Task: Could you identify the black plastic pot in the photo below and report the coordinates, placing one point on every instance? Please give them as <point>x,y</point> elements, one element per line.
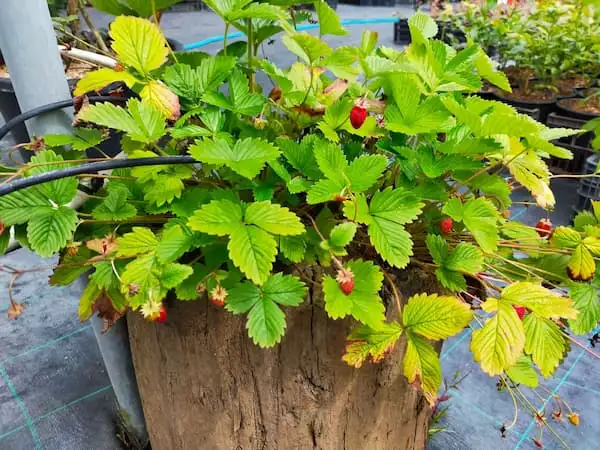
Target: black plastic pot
<point>588,188</point>
<point>578,144</point>
<point>567,111</point>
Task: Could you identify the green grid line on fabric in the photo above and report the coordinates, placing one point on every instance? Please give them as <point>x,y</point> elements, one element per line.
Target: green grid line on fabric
<point>19,401</point>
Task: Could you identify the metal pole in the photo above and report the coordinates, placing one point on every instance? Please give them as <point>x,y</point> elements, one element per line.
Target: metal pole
<point>30,50</point>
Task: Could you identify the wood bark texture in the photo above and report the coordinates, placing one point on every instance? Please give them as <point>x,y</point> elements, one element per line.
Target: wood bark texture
<point>205,385</point>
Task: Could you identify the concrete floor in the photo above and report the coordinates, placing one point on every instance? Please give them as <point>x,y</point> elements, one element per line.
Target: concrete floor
<point>55,393</point>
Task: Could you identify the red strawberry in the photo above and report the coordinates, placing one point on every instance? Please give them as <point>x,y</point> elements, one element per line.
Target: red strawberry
<point>446,225</point>
<point>162,315</point>
<point>345,279</point>
<point>520,311</point>
<point>543,227</point>
<point>218,296</point>
<point>357,116</point>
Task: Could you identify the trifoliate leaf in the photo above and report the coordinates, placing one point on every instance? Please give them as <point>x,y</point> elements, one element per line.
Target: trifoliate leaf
<point>247,157</point>
<point>174,242</point>
<point>324,191</point>
<point>140,241</point>
<point>307,47</point>
<point>436,317</point>
<point>364,303</point>
<point>273,218</point>
<point>219,217</point>
<point>498,345</point>
<point>253,251</point>
<point>585,300</point>
<point>542,301</point>
<point>422,365</point>
<point>523,373</point>
<point>301,156</point>
<point>115,207</point>
<point>266,320</point>
<point>20,206</point>
<point>332,162</point>
<point>241,100</point>
<point>60,191</point>
<point>138,43</point>
<point>49,232</point>
<point>397,205</point>
<point>545,343</point>
<point>365,343</point>
<point>465,258</point>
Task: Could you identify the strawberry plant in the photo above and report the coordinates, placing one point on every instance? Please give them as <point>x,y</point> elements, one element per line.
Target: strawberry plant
<point>361,161</point>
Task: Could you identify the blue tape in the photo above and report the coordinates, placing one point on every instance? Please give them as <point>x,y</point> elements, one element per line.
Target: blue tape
<point>301,27</point>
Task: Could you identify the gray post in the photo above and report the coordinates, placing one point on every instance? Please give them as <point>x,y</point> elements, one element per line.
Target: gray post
<point>30,50</point>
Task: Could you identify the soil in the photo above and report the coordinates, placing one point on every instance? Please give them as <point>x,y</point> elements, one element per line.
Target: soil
<point>75,71</point>
<point>204,384</point>
<point>577,81</point>
<point>578,104</point>
<point>533,95</point>
<point>516,74</point>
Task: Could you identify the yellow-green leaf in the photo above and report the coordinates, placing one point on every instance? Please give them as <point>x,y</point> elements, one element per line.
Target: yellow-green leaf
<point>582,266</point>
<point>163,99</point>
<point>422,365</point>
<point>99,79</point>
<point>540,300</point>
<point>545,343</point>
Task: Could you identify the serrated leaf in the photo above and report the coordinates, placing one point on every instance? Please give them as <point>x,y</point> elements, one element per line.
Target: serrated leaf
<point>324,191</point>
<point>341,63</point>
<point>585,300</point>
<point>498,345</point>
<point>365,343</point>
<point>465,258</point>
<point>70,267</point>
<point>253,251</point>
<point>219,217</point>
<point>582,266</point>
<point>90,294</point>
<point>174,242</point>
<point>436,317</point>
<point>357,210</point>
<point>329,21</point>
<point>364,303</point>
<point>140,241</point>
<point>438,248</point>
<point>162,98</point>
<point>173,274</point>
<point>188,289</point>
<point>138,43</point>
<point>115,207</point>
<point>307,47</point>
<point>391,241</point>
<point>293,247</point>
<point>247,157</point>
<point>422,365</point>
<point>273,218</point>
<point>542,301</point>
<point>342,234</point>
<point>454,281</point>
<point>424,24</point>
<point>364,172</point>
<point>565,237</point>
<point>60,191</point>
<point>523,373</point>
<point>545,343</point>
<point>397,205</point>
<point>480,217</point>
<point>140,273</point>
<point>332,162</point>
<point>104,276</point>
<point>49,232</point>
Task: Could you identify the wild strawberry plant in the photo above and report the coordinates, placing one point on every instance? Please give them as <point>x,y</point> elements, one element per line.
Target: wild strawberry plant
<point>360,160</point>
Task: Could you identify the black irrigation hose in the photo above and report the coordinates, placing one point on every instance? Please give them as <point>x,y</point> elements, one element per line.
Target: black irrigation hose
<point>94,167</point>
<point>52,107</point>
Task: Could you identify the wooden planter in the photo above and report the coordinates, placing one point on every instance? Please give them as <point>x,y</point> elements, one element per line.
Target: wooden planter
<point>205,385</point>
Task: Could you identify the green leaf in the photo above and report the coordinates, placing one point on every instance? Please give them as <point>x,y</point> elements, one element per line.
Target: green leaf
<point>565,237</point>
<point>140,241</point>
<point>324,191</point>
<point>253,251</point>
<point>90,294</point>
<point>115,207</point>
<point>391,241</point>
<point>188,289</point>
<point>141,121</point>
<point>341,63</point>
<point>266,320</point>
<point>424,24</point>
<point>293,247</point>
<point>585,300</point>
<point>437,248</point>
<point>141,274</point>
<point>332,162</point>
<point>545,343</point>
<point>174,242</point>
<point>357,210</point>
<point>542,301</point>
<point>219,217</point>
<point>70,267</point>
<point>60,191</point>
<point>436,317</point>
<point>396,205</point>
<point>364,172</point>
<point>480,217</point>
<point>97,80</point>
<point>247,157</point>
<point>329,21</point>
<point>20,206</point>
<point>498,345</point>
<point>240,100</point>
<point>301,156</point>
<point>523,373</point>
<point>273,218</point>
<point>365,343</point>
<point>49,232</point>
<point>138,43</point>
<point>486,69</point>
<point>82,139</point>
<point>465,258</point>
<point>368,41</point>
<point>364,303</point>
<point>173,274</point>
<point>342,234</point>
<point>104,276</point>
<point>422,364</point>
<point>307,47</point>
<point>113,7</point>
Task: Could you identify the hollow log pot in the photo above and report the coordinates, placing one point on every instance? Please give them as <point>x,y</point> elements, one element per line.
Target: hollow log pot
<point>205,385</point>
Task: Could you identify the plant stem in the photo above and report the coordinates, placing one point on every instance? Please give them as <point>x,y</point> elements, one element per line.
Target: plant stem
<point>225,38</point>
<point>139,219</point>
<point>251,52</point>
<point>92,27</point>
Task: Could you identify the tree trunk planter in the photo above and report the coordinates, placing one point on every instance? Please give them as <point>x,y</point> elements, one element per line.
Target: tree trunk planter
<point>204,384</point>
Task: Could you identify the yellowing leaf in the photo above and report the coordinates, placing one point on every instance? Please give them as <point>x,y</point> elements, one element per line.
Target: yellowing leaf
<point>99,79</point>
<point>138,43</point>
<point>498,345</point>
<point>422,365</point>
<point>582,266</point>
<point>436,317</point>
<point>540,300</point>
<point>371,343</point>
<point>163,99</point>
<point>545,343</point>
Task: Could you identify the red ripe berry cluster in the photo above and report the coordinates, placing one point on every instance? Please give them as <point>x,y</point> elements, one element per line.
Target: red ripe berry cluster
<point>345,279</point>
<point>358,116</point>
